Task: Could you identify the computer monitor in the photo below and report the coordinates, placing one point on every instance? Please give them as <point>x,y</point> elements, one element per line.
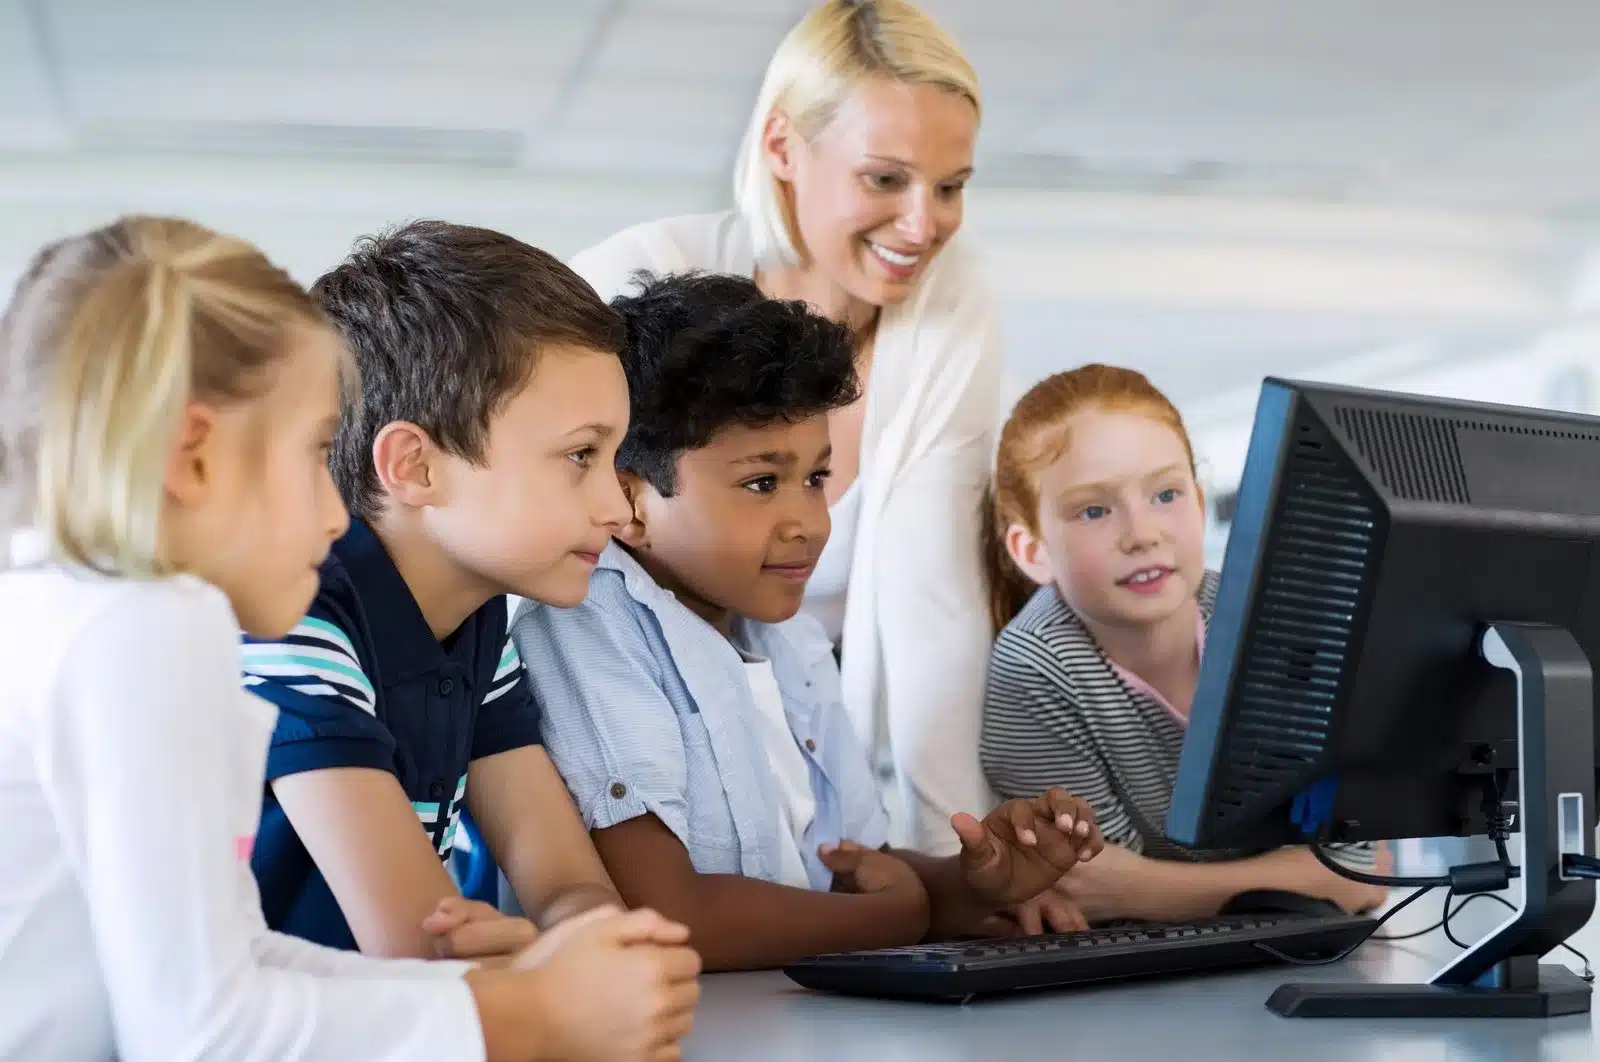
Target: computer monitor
<point>1409,607</point>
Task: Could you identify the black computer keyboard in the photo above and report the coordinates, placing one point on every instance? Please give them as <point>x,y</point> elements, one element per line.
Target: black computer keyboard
<point>961,970</point>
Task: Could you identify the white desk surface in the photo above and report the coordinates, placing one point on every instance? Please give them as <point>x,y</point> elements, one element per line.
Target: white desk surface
<point>764,1017</point>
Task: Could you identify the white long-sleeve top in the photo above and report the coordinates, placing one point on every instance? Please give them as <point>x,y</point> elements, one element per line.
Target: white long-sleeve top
<point>916,633</point>
<point>131,774</point>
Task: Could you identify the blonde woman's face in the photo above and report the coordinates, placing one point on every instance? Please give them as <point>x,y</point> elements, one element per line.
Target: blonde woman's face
<point>252,508</point>
<point>879,192</point>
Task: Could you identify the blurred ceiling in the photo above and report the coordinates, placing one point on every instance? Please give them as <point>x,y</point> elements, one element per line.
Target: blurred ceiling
<point>1483,111</point>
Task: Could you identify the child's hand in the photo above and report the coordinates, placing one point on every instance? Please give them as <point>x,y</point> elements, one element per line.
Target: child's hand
<point>614,987</point>
<point>859,869</point>
<point>1022,846</point>
<point>467,929</point>
<point>1052,911</point>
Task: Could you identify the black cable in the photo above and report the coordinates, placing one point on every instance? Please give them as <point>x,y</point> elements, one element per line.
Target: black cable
<point>1396,909</point>
<point>1381,880</point>
<point>1588,971</point>
<point>1450,935</point>
<point>1443,921</point>
<point>1579,866</point>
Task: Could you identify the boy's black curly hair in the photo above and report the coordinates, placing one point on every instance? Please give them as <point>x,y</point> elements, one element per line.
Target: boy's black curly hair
<point>705,352</point>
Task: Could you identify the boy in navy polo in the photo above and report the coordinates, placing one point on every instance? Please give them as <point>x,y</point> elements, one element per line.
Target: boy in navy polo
<point>477,461</point>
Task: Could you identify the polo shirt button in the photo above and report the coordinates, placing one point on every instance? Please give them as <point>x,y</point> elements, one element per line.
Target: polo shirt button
<point>811,745</point>
<point>436,790</point>
<point>618,790</point>
<point>445,686</point>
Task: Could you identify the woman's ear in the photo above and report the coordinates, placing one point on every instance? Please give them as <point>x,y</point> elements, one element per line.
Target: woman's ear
<point>777,145</point>
<point>635,534</point>
<point>1028,553</point>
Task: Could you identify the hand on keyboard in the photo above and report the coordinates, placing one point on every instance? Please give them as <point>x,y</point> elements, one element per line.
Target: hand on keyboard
<point>1049,912</point>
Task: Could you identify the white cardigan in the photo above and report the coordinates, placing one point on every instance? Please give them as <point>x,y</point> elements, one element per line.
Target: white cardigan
<point>916,629</point>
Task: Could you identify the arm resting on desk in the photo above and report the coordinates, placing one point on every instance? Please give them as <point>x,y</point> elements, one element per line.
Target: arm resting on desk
<point>739,923</point>
<point>1124,884</point>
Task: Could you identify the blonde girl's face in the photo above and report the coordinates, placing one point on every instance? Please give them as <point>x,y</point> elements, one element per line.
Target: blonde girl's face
<point>1121,521</point>
<point>251,506</point>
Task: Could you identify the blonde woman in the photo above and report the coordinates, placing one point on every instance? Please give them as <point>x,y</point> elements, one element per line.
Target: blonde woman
<point>169,398</point>
<point>849,188</point>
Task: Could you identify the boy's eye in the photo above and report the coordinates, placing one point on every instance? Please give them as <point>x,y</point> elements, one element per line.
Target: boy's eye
<point>1093,512</point>
<point>818,478</point>
<point>582,457</point>
<point>761,484</point>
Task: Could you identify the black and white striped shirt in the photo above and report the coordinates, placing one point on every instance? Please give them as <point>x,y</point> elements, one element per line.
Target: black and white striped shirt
<point>1058,713</point>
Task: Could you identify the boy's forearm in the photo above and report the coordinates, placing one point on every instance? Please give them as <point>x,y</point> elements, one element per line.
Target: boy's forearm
<point>574,900</point>
<point>955,911</point>
<point>739,923</point>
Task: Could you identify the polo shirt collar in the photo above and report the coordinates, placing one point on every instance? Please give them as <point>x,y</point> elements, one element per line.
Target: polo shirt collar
<point>403,641</point>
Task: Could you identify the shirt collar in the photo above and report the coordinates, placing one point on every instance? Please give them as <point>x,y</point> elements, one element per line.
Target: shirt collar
<point>762,640</point>
<point>402,640</point>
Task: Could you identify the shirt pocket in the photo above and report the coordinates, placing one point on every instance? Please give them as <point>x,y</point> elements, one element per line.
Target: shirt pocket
<point>713,841</point>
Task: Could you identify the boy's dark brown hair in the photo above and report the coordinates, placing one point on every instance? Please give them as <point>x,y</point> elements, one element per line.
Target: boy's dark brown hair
<point>446,323</point>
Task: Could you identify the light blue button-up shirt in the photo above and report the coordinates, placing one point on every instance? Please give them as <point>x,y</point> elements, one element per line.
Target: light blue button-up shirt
<point>647,710</point>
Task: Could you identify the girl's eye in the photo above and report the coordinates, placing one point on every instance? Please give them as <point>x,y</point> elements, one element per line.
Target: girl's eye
<point>582,457</point>
<point>761,485</point>
<point>1093,512</point>
<point>884,182</point>
<point>1168,496</point>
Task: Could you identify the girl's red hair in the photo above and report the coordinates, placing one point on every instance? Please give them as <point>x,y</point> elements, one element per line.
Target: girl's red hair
<point>1035,437</point>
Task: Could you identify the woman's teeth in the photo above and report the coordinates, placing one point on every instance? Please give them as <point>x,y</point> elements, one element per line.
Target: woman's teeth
<point>895,258</point>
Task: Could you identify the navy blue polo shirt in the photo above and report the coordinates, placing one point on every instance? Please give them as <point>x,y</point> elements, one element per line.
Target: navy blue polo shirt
<point>362,682</point>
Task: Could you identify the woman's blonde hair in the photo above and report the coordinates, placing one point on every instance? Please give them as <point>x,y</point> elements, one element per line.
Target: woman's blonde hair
<point>108,336</point>
<point>836,47</point>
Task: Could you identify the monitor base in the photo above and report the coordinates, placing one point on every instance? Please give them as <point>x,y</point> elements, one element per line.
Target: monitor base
<point>1559,992</point>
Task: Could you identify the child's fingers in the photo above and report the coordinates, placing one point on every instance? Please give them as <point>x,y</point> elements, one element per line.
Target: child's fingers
<point>481,939</point>
<point>1061,915</point>
<point>1059,807</point>
<point>669,933</point>
<point>1083,812</point>
<point>454,911</point>
<point>1028,919</point>
<point>641,926</point>
<point>1024,822</point>
<point>840,858</point>
<point>974,835</point>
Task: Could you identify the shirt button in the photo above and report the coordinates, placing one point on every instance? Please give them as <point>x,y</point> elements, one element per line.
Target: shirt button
<point>436,790</point>
<point>446,685</point>
<point>811,745</point>
<point>618,790</point>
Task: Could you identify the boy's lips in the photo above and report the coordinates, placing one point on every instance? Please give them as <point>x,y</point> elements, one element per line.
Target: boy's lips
<point>798,572</point>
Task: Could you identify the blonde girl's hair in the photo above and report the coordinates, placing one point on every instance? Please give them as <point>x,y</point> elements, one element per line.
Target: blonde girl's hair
<point>1035,436</point>
<point>836,47</point>
<point>108,335</point>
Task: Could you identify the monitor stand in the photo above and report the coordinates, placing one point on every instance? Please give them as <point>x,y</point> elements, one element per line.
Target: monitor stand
<point>1501,976</point>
